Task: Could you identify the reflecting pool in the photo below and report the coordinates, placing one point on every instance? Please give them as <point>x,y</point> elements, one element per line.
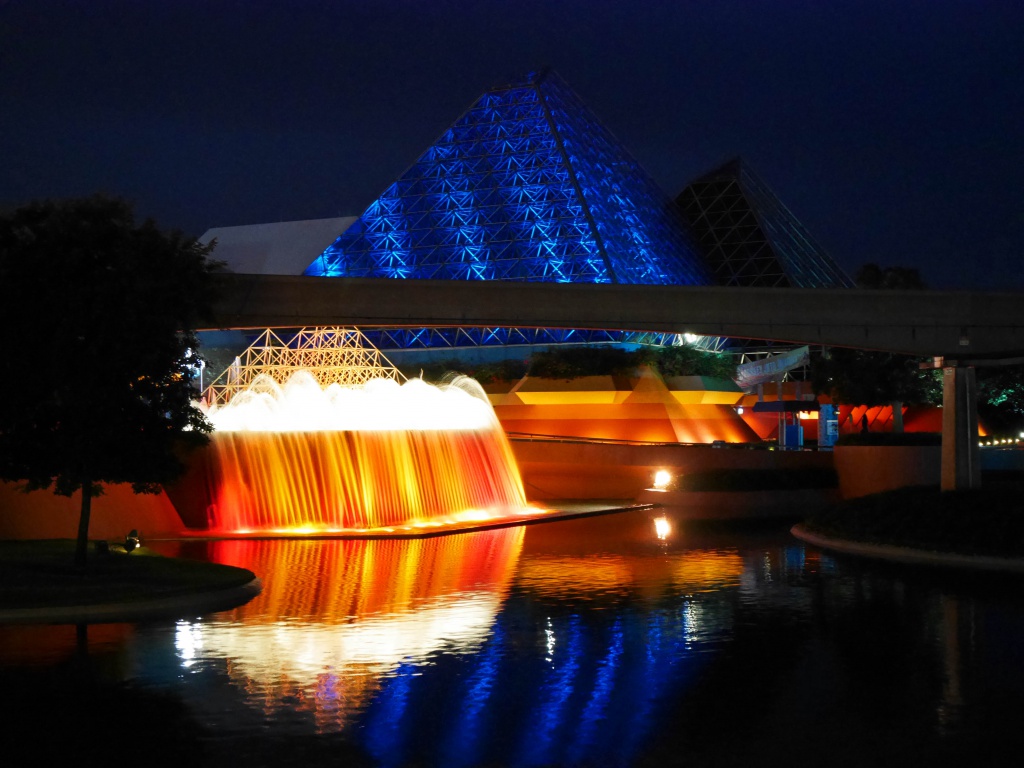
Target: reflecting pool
<point>628,639</point>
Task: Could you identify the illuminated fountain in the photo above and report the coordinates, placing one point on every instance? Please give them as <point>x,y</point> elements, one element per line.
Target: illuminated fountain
<point>318,436</point>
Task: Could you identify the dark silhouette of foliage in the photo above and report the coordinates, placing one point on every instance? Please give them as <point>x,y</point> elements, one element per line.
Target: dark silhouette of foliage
<point>572,362</point>
<point>97,312</point>
<point>687,361</point>
<point>894,278</point>
<point>502,370</point>
<point>568,363</point>
<point>864,377</point>
<point>1001,395</point>
<point>860,377</point>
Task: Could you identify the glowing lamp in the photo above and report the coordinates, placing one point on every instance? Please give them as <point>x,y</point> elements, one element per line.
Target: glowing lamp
<point>661,479</point>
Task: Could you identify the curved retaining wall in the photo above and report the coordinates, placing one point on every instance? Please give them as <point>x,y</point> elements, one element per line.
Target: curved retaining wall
<point>741,505</point>
<point>581,470</point>
<point>866,469</point>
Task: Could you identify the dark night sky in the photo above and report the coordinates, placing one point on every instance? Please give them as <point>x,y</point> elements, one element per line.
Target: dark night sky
<point>892,129</point>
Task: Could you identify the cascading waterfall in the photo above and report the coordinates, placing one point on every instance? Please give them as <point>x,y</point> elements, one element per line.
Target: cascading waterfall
<point>380,457</point>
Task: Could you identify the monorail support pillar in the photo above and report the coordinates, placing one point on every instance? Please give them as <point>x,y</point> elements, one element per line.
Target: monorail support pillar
<point>961,458</point>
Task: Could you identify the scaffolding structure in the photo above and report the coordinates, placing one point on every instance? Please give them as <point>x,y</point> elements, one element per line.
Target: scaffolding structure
<point>332,355</point>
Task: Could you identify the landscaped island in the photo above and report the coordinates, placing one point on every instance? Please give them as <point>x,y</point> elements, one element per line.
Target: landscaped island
<point>40,577</point>
<point>986,521</point>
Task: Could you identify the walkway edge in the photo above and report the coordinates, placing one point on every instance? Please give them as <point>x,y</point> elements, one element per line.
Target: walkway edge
<point>159,608</point>
<point>909,555</point>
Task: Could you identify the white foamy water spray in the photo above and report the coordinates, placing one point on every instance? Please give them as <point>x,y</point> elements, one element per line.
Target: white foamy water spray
<point>300,405</point>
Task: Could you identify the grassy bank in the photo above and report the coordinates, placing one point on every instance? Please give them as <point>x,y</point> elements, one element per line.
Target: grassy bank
<point>41,574</point>
<point>984,521</point>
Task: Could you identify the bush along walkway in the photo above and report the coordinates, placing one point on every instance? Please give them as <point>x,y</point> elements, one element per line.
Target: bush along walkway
<point>981,528</point>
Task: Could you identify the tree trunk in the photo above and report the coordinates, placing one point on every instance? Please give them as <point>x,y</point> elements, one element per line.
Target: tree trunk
<point>897,416</point>
<point>82,543</point>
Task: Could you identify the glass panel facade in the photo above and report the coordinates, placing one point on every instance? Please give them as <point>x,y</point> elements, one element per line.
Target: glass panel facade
<point>525,186</point>
<point>750,238</point>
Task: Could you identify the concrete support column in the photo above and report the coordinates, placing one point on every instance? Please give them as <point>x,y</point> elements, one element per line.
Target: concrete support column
<point>961,459</point>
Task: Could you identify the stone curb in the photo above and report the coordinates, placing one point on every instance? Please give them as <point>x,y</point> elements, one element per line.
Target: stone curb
<point>159,608</point>
<point>909,555</point>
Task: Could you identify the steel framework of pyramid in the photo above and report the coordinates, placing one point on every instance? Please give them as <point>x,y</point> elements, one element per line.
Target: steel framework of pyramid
<point>526,185</point>
<point>750,238</point>
<point>341,356</point>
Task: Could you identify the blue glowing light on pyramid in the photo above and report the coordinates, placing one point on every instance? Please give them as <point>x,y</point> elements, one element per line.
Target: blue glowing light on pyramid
<point>526,185</point>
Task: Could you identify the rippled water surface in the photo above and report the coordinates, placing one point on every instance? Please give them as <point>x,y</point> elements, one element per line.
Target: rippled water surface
<point>615,640</point>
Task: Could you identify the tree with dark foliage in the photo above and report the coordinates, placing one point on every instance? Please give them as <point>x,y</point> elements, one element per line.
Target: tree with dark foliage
<point>569,362</point>
<point>96,314</point>
<point>862,377</point>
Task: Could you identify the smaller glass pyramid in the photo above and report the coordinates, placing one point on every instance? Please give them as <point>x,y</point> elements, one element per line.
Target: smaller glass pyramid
<point>750,238</point>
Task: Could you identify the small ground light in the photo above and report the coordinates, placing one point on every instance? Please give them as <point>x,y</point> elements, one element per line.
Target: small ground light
<point>662,479</point>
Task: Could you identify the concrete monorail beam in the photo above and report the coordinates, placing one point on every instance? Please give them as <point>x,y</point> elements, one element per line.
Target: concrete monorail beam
<point>950,324</point>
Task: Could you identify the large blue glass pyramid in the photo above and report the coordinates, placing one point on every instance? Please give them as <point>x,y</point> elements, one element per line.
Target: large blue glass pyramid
<point>526,185</point>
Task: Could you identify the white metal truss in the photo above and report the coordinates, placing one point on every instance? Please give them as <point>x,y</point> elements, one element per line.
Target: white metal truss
<point>333,355</point>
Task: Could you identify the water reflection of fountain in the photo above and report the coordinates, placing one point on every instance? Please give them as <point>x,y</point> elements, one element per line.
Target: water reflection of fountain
<point>379,458</point>
<point>354,613</point>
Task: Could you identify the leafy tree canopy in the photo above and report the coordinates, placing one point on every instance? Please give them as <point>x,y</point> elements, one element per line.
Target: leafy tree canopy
<point>859,377</point>
<point>863,377</point>
<point>96,312</point>
<point>570,362</point>
<point>687,361</point>
<point>896,278</point>
<point>559,363</point>
<point>1001,391</point>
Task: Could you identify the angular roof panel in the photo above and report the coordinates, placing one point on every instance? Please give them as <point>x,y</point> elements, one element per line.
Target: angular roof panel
<point>279,248</point>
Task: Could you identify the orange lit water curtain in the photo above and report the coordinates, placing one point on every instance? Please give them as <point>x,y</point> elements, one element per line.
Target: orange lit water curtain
<point>377,457</point>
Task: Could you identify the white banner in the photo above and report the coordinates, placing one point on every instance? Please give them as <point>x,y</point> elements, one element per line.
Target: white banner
<point>771,368</point>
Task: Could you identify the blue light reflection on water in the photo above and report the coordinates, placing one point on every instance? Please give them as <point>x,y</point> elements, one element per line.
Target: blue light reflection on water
<point>590,643</point>
<point>462,746</point>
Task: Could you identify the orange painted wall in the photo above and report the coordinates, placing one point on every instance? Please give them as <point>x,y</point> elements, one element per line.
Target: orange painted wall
<point>581,470</point>
<point>43,515</point>
<point>648,413</point>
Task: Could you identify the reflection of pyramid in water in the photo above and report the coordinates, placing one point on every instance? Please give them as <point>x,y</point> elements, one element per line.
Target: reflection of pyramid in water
<point>751,239</point>
<point>527,185</point>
